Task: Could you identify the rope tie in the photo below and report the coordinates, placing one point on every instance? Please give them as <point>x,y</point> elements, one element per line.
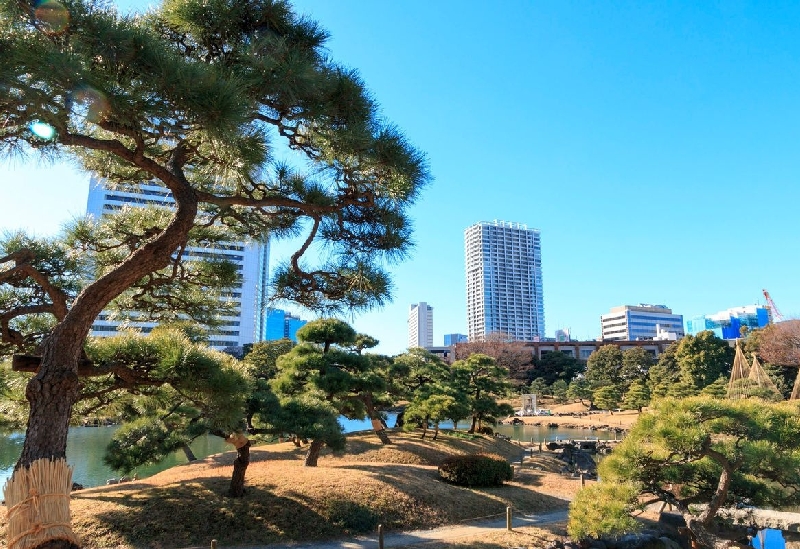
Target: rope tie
<point>33,515</point>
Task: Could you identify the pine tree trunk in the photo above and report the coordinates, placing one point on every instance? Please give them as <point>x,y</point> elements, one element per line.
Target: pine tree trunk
<point>401,419</point>
<point>436,432</point>
<point>51,394</point>
<point>55,388</point>
<point>384,438</point>
<point>374,416</point>
<point>313,453</point>
<point>474,425</point>
<point>239,468</point>
<point>187,451</point>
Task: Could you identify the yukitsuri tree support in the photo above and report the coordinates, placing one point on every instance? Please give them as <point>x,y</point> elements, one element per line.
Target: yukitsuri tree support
<point>192,96</point>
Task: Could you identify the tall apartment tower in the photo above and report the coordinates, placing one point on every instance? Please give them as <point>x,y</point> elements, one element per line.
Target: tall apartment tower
<point>420,325</point>
<point>248,324</point>
<point>504,281</point>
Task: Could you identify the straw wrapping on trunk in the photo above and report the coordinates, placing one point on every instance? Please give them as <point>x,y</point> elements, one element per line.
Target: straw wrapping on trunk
<point>37,498</point>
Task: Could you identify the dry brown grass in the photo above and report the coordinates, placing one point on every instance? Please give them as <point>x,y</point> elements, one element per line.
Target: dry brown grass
<point>526,537</point>
<point>396,486</point>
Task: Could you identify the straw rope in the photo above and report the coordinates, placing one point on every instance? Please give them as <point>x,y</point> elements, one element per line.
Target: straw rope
<point>37,498</point>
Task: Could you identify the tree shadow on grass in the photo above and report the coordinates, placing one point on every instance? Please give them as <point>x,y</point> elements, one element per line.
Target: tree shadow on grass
<point>193,513</point>
<point>460,502</point>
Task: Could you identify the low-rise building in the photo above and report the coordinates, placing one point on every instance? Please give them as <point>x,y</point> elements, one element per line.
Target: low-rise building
<point>582,350</point>
<point>728,324</point>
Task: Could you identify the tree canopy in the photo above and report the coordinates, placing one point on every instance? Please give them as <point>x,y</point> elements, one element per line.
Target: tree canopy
<point>692,451</point>
<point>329,378</point>
<point>483,381</point>
<point>199,97</point>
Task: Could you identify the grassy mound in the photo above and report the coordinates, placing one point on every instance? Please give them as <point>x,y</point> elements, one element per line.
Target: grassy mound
<point>349,493</point>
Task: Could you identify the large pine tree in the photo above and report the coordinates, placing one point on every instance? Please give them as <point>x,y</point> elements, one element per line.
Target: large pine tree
<point>196,95</point>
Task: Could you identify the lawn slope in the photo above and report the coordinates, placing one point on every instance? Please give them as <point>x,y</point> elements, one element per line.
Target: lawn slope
<point>348,493</point>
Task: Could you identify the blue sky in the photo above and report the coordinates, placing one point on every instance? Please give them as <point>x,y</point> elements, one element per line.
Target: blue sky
<point>655,145</point>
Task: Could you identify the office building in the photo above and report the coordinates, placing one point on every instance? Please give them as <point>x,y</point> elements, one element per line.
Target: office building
<point>641,322</point>
<point>728,324</point>
<point>420,325</point>
<point>452,339</point>
<point>504,281</point>
<point>248,298</point>
<point>282,325</point>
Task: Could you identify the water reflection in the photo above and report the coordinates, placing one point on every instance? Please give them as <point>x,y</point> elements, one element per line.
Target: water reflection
<point>86,446</point>
<point>85,449</point>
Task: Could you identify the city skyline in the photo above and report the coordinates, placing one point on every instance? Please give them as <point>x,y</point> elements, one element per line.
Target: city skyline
<point>654,147</point>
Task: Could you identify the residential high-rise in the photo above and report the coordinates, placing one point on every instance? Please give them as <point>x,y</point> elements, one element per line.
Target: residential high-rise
<point>504,281</point>
<point>728,324</point>
<point>249,297</point>
<point>420,325</point>
<point>641,322</point>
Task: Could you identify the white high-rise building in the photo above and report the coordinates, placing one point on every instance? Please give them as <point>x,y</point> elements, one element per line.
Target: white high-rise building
<point>249,297</point>
<point>504,281</point>
<point>420,325</point>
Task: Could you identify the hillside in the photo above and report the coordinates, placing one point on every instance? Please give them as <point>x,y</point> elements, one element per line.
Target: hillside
<point>366,485</point>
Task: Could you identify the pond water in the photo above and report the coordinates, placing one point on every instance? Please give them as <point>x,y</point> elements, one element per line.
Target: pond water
<point>86,445</point>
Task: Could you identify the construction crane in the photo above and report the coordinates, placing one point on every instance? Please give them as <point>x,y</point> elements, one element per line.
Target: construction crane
<point>776,314</point>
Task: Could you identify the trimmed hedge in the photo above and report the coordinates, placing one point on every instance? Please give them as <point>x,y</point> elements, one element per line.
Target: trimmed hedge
<point>475,470</point>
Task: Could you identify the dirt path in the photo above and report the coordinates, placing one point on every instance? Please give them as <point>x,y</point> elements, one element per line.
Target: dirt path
<point>441,534</point>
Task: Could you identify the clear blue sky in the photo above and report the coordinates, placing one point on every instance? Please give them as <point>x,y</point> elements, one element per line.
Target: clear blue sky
<point>655,145</point>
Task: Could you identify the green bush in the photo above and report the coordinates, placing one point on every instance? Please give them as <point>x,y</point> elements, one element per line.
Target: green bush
<point>486,430</point>
<point>475,470</point>
<point>603,509</point>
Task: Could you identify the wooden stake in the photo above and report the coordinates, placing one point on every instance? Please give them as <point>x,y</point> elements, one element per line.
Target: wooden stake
<point>380,536</point>
<point>508,518</point>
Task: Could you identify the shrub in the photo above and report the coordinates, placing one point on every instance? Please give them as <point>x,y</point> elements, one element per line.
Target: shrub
<point>475,470</point>
<point>603,509</point>
<point>351,516</point>
<point>486,430</point>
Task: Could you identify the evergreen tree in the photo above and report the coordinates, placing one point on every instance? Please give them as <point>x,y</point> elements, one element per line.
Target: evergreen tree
<point>193,96</point>
<point>323,375</point>
<point>696,450</point>
<point>416,375</point>
<point>607,397</point>
<point>637,397</point>
<point>579,389</point>
<point>703,358</point>
<point>718,389</point>
<point>604,367</point>
<point>665,373</point>
<point>484,382</point>
<point>559,390</point>
<point>184,390</point>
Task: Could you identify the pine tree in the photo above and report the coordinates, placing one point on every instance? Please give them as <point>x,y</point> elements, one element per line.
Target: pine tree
<point>195,96</point>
